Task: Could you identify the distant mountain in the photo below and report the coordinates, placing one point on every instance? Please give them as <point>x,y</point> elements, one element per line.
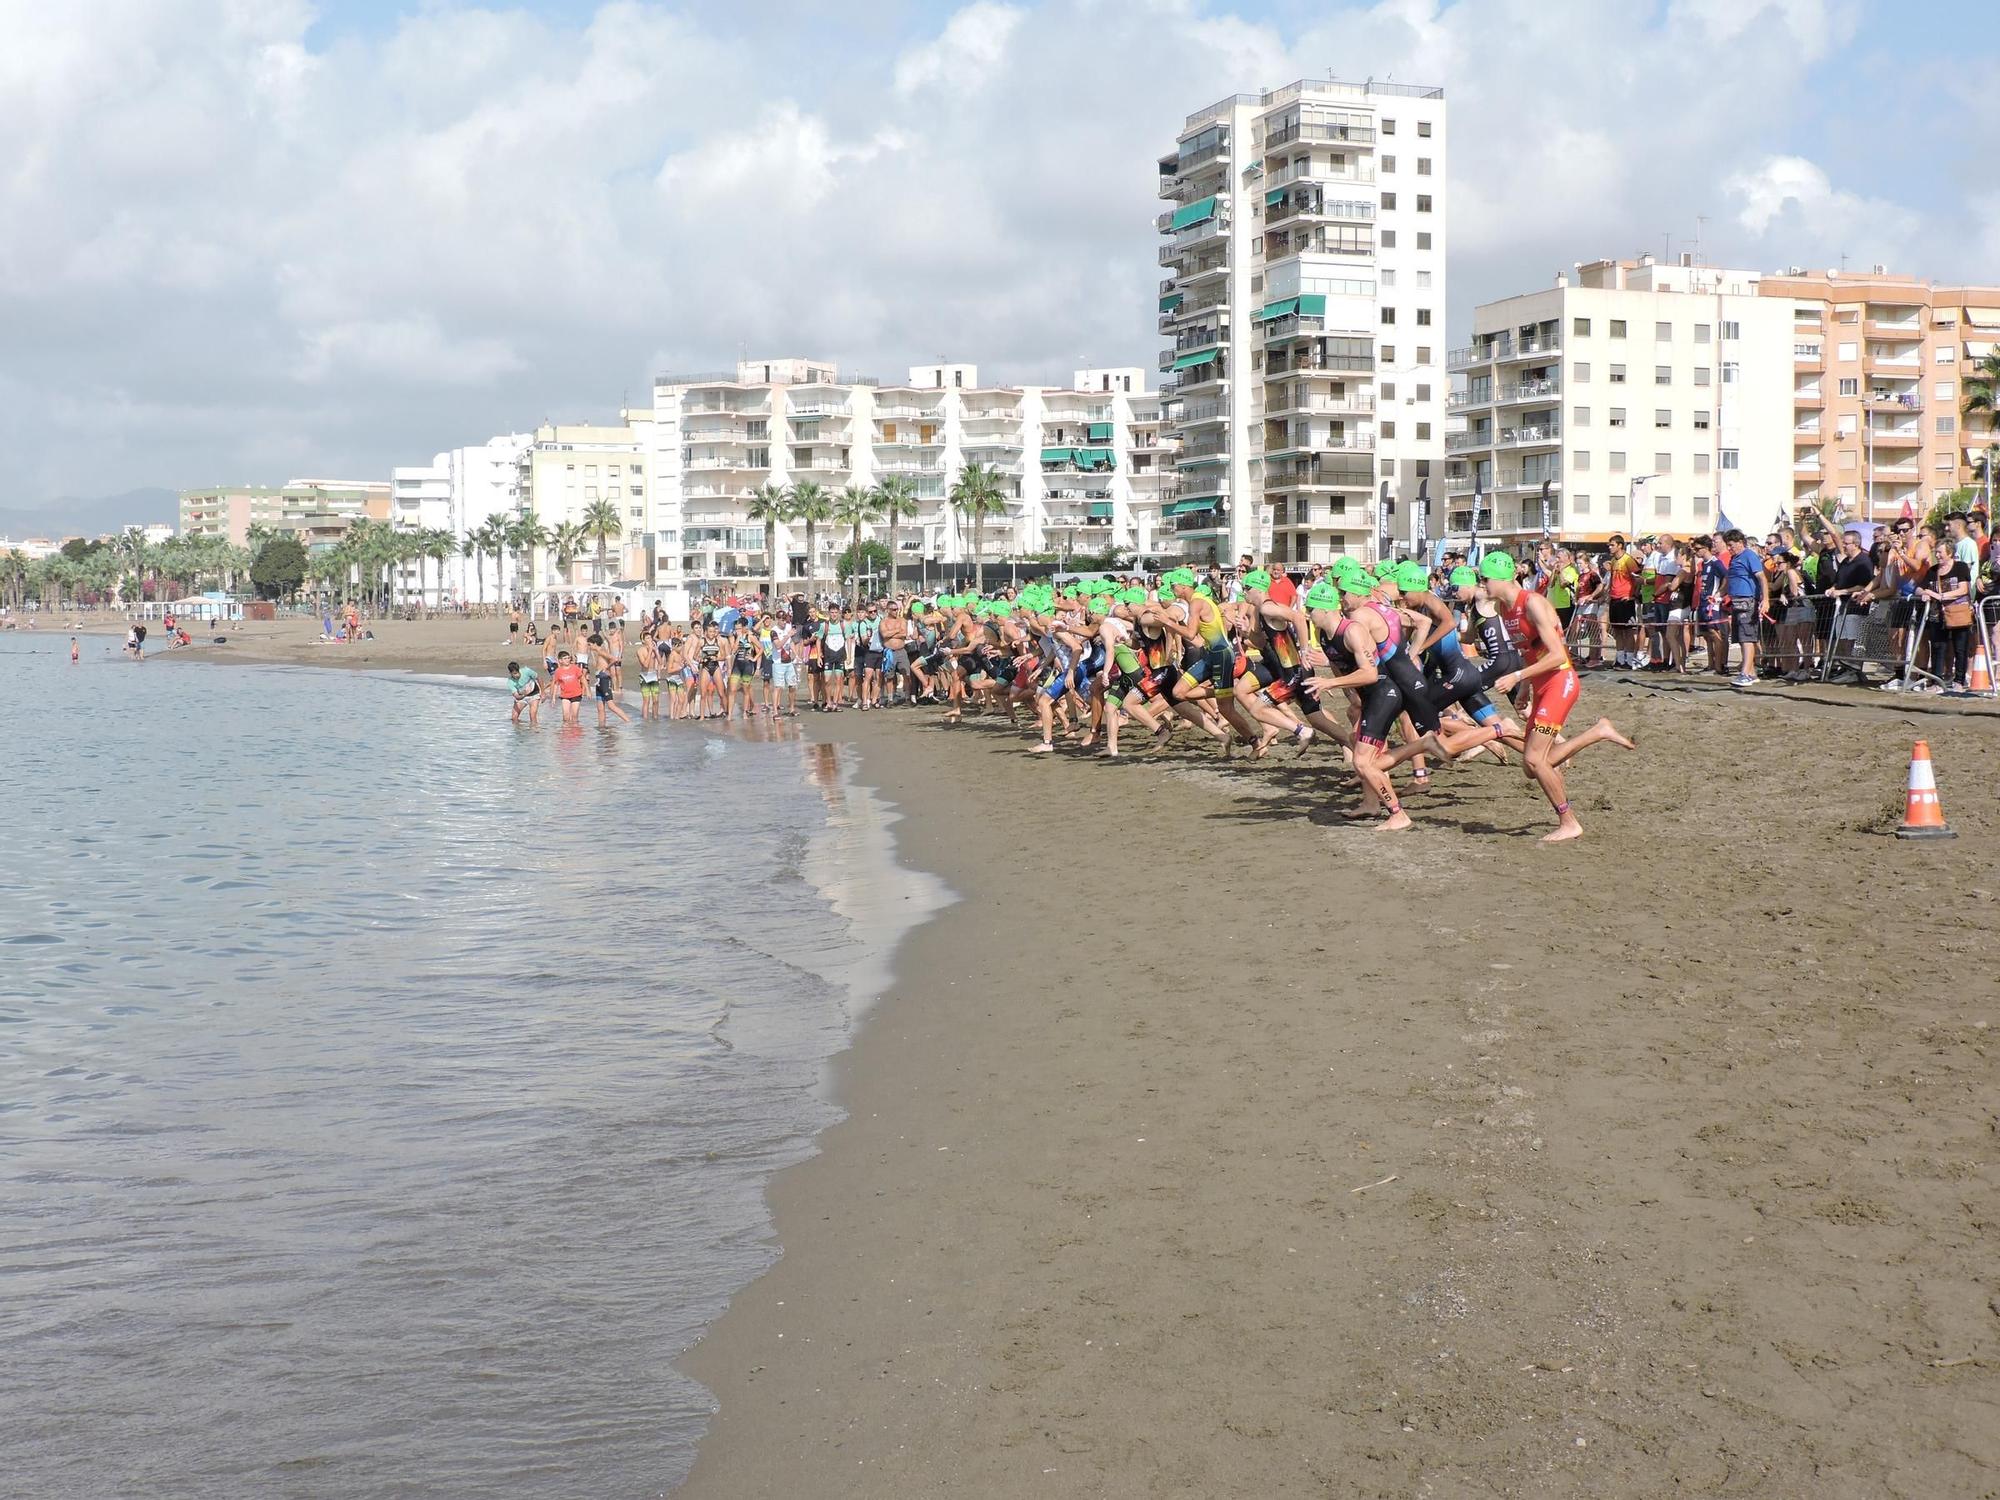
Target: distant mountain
<point>70,516</point>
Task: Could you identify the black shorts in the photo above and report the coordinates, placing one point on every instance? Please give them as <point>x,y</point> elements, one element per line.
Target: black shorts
<point>1743,622</point>
<point>603,685</point>
<point>868,661</point>
<point>1381,706</point>
<point>1624,611</point>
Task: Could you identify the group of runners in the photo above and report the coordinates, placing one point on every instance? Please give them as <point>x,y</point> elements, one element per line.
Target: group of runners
<point>1395,665</point>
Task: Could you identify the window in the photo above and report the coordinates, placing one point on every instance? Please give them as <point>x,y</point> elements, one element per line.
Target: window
<point>1388,200</point>
<point>1387,429</point>
<point>1423,354</point>
<point>1664,332</point>
<point>1389,315</point>
<point>1579,505</point>
<point>614,492</point>
<point>590,492</point>
<point>1387,278</point>
<point>1579,416</point>
<point>1423,391</point>
<point>1388,471</point>
<point>1423,431</point>
<point>1850,385</point>
<point>1386,354</point>
<point>1701,505</point>
<point>1847,458</point>
<point>1942,390</point>
<point>1388,390</point>
<point>1618,463</point>
<point>1663,505</point>
<point>636,512</point>
<point>590,471</point>
<point>1423,317</point>
<point>1580,370</point>
<point>1729,372</point>
<point>1388,127</point>
<point>1424,128</point>
<point>1663,463</point>
<point>1423,239</point>
<point>1617,505</point>
<point>1582,462</point>
<point>1423,166</point>
<point>1701,333</point>
<point>1847,351</point>
<point>1844,426</point>
<point>1701,463</point>
<point>1423,203</point>
<point>1618,328</point>
<point>1617,416</point>
<point>1617,374</point>
<point>1847,315</point>
<point>1423,279</point>
<point>1732,330</point>
<point>1946,354</point>
<point>1580,327</point>
<point>1946,461</point>
<point>1946,426</point>
<point>1663,375</point>
<point>1701,374</point>
<point>1423,468</point>
<point>1732,458</point>
<point>1388,238</point>
<point>1662,417</point>
<point>1388,163</point>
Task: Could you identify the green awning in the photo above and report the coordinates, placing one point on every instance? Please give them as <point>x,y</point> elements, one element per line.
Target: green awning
<point>1096,458</point>
<point>1275,196</point>
<point>1169,302</point>
<point>1199,357</point>
<point>1100,432</point>
<point>1189,507</point>
<point>1272,310</point>
<point>1313,305</point>
<point>1194,213</point>
<point>1059,455</point>
<point>1100,510</point>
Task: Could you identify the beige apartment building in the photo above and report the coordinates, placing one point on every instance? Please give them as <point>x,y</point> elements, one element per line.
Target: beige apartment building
<point>568,468</point>
<point>318,510</point>
<point>1879,363</point>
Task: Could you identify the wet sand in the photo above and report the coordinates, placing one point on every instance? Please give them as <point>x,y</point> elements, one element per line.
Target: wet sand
<point>1213,1146</point>
<point>472,648</point>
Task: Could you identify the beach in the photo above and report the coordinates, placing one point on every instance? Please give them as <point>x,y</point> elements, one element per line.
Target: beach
<point>1213,1146</point>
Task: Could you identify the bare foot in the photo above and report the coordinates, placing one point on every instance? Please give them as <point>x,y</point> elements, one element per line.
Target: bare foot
<point>1396,822</point>
<point>1264,743</point>
<point>1302,737</point>
<point>1566,830</point>
<point>1610,732</point>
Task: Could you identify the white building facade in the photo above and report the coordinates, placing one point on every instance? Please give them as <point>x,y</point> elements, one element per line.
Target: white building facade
<point>1079,466</point>
<point>456,492</point>
<point>1650,399</point>
<point>1304,295</point>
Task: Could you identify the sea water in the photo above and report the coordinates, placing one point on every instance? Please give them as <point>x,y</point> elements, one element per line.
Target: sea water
<point>387,1093</point>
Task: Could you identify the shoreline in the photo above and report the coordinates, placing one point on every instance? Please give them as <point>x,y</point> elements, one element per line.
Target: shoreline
<point>1358,1187</point>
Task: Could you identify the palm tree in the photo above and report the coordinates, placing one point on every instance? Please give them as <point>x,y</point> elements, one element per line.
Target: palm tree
<point>131,545</point>
<point>855,507</point>
<point>898,497</point>
<point>566,541</point>
<point>977,494</point>
<point>440,546</point>
<point>768,505</point>
<point>601,524</point>
<point>14,578</point>
<point>525,533</point>
<point>474,547</point>
<point>498,530</point>
<point>811,505</point>
<point>1982,398</point>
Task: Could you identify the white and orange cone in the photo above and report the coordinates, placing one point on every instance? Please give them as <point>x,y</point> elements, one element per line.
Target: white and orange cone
<point>1923,813</point>
<point>1979,679</point>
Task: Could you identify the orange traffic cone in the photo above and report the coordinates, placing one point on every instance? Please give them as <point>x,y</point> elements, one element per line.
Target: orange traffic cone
<point>1980,678</point>
<point>1923,814</point>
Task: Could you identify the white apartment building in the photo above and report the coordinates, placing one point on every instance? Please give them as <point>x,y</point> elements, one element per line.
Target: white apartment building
<point>562,471</point>
<point>456,492</point>
<point>1649,398</point>
<point>1080,466</point>
<point>1305,296</point>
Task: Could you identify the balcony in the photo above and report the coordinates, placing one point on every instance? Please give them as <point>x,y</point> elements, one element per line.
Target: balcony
<point>1547,389</point>
<point>1201,272</point>
<point>1808,468</point>
<point>1881,359</point>
<point>1200,413</point>
<point>1896,332</point>
<point>819,409</point>
<point>1511,484</point>
<point>1535,348</point>
<point>1185,240</point>
<point>1895,400</point>
<point>1293,326</point>
<point>1341,474</point>
<point>1806,354</point>
<point>1350,442</point>
<point>1191,161</point>
<point>1896,437</point>
<point>1812,400</point>
<point>1284,404</point>
<point>1350,135</point>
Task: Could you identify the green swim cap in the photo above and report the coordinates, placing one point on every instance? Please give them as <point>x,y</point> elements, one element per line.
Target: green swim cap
<point>1498,566</point>
<point>1355,580</point>
<point>1131,596</point>
<point>1463,577</point>
<point>1259,579</point>
<point>1386,567</point>
<point>1412,575</point>
<point>1322,595</point>
<point>1205,591</point>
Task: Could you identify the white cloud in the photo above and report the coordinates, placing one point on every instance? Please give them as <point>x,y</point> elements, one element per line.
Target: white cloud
<point>242,247</point>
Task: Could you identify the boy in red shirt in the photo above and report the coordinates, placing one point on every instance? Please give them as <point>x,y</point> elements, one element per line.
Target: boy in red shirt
<point>570,682</point>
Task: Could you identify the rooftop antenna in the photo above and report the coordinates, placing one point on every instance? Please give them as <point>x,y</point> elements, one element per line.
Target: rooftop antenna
<point>1700,233</point>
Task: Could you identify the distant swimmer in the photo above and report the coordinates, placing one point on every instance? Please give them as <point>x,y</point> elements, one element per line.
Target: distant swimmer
<point>72,648</point>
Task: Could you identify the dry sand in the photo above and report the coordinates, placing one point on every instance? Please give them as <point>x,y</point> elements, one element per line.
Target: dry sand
<point>1214,1147</point>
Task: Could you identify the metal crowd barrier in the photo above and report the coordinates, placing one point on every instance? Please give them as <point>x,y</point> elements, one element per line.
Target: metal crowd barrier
<point>1887,633</point>
<point>1987,625</point>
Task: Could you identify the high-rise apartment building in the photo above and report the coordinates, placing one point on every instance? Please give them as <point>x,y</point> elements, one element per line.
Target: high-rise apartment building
<point>1641,398</point>
<point>318,511</point>
<point>1305,300</point>
<point>564,472</point>
<point>1879,363</point>
<point>1080,467</point>
<point>455,493</point>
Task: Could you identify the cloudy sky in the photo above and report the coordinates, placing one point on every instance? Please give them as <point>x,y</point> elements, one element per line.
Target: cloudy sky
<point>242,240</point>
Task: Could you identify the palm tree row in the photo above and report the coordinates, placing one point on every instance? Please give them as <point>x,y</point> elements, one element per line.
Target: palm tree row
<point>975,495</point>
<point>127,569</point>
